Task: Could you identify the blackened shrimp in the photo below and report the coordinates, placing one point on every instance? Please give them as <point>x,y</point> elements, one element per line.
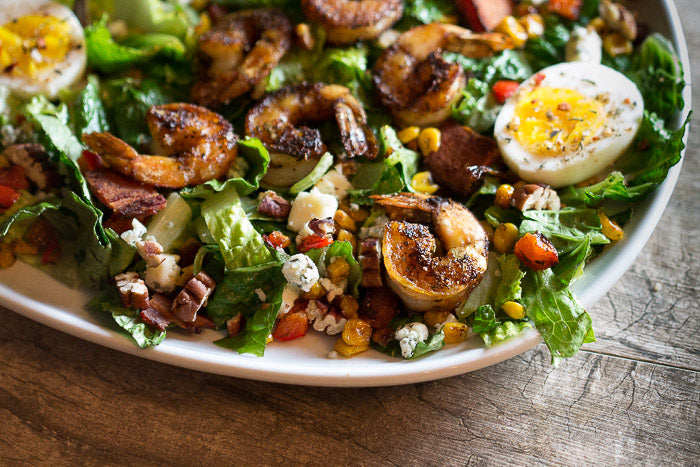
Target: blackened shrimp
<point>195,145</point>
<point>240,51</point>
<point>348,21</point>
<point>416,83</point>
<point>432,274</point>
<point>279,121</point>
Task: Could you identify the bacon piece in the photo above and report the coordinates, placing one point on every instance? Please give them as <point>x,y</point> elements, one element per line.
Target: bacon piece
<point>484,15</point>
<point>463,159</point>
<point>124,196</point>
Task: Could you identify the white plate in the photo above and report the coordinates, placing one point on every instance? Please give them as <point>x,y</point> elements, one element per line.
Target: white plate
<point>304,361</point>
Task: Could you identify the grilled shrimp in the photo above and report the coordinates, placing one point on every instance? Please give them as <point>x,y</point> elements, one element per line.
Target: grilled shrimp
<point>241,50</point>
<point>416,84</point>
<point>278,119</point>
<point>430,273</point>
<point>348,21</point>
<point>196,145</point>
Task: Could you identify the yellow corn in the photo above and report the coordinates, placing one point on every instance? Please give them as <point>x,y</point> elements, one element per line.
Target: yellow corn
<point>513,29</point>
<point>616,44</point>
<point>503,195</point>
<point>597,24</point>
<point>347,350</point>
<point>504,237</point>
<point>533,25</point>
<point>455,333</point>
<point>7,258</point>
<point>357,332</point>
<point>316,291</point>
<point>344,221</point>
<point>514,309</point>
<point>610,228</point>
<point>408,134</point>
<point>204,24</point>
<point>347,236</point>
<point>306,39</point>
<point>349,306</point>
<point>338,269</point>
<point>423,183</point>
<point>433,318</point>
<point>429,140</point>
<point>269,339</point>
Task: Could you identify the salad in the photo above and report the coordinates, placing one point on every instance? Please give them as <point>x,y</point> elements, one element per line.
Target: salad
<point>398,175</point>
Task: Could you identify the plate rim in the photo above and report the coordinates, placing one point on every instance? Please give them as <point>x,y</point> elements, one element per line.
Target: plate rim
<point>595,283</point>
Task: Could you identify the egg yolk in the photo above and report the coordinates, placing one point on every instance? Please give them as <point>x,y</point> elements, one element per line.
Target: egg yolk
<point>32,43</point>
<point>553,121</point>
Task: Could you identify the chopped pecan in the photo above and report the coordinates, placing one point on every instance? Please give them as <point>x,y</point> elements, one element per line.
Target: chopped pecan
<point>235,324</point>
<point>273,205</point>
<point>150,251</point>
<point>36,163</point>
<point>322,227</point>
<point>370,256</point>
<point>124,196</point>
<point>132,290</point>
<point>193,297</point>
<point>536,197</point>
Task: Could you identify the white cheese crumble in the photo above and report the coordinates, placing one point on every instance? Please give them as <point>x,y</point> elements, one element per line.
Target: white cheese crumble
<point>138,230</point>
<point>409,336</point>
<point>584,46</point>
<point>290,293</point>
<point>376,230</point>
<point>301,271</point>
<point>261,295</point>
<point>335,184</point>
<point>163,276</point>
<point>311,205</point>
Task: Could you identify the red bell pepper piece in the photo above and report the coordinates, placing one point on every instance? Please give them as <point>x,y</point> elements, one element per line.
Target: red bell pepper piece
<point>313,241</point>
<point>503,89</point>
<point>8,196</point>
<point>14,178</point>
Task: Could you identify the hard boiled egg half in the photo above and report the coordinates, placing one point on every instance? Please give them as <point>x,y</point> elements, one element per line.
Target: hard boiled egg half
<point>42,47</point>
<point>568,123</point>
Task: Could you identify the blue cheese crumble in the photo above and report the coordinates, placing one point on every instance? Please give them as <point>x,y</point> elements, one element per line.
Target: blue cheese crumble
<point>301,271</point>
<point>409,336</point>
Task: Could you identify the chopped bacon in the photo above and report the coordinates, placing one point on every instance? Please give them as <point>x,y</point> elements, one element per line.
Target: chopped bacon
<point>153,318</point>
<point>124,196</point>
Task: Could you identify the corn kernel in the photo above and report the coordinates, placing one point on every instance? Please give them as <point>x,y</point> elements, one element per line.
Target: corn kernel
<point>408,134</point>
<point>316,291</point>
<point>533,25</point>
<point>347,350</point>
<point>357,213</point>
<point>433,318</point>
<point>429,140</point>
<point>455,333</point>
<point>349,306</point>
<point>204,24</point>
<point>504,237</point>
<point>616,44</point>
<point>503,195</point>
<point>423,183</point>
<point>7,258</point>
<point>357,332</point>
<point>269,339</point>
<point>338,269</point>
<point>610,228</point>
<point>514,309</point>
<point>344,221</point>
<point>513,29</point>
<point>347,236</point>
<point>306,39</point>
<point>597,24</point>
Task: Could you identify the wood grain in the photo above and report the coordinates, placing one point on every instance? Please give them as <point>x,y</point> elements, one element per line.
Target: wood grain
<point>632,398</point>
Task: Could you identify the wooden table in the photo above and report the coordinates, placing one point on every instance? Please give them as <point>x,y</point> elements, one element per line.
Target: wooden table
<point>630,398</point>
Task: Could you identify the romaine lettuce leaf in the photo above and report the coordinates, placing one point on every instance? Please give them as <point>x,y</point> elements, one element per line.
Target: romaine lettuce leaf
<point>87,111</point>
<point>613,188</point>
<point>503,331</point>
<point>508,288</point>
<point>567,228</point>
<point>484,319</point>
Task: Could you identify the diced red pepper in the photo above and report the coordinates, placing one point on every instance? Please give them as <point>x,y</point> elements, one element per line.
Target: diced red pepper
<point>503,89</point>
<point>277,239</point>
<point>52,253</point>
<point>8,196</point>
<point>14,177</point>
<point>539,77</point>
<point>292,325</point>
<point>314,241</point>
<point>89,161</point>
<point>535,251</point>
<point>569,9</point>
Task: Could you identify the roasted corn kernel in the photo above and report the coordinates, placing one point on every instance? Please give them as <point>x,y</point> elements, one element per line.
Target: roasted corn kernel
<point>423,183</point>
<point>357,332</point>
<point>344,221</point>
<point>503,195</point>
<point>597,24</point>
<point>316,291</point>
<point>455,333</point>
<point>347,350</point>
<point>616,44</point>
<point>610,228</point>
<point>408,134</point>
<point>338,269</point>
<point>304,36</point>
<point>433,318</point>
<point>513,29</point>
<point>505,237</point>
<point>347,236</point>
<point>513,309</point>
<point>429,140</point>
<point>348,306</point>
<point>533,25</point>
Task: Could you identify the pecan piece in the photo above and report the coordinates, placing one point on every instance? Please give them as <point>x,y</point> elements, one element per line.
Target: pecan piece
<point>322,227</point>
<point>193,297</point>
<point>132,290</point>
<point>273,205</point>
<point>536,197</point>
<point>235,324</point>
<point>36,163</point>
<point>370,257</point>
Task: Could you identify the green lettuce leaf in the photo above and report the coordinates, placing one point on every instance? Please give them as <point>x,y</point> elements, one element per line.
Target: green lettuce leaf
<point>484,319</point>
<point>612,188</point>
<point>508,288</point>
<point>503,331</point>
<point>426,11</point>
<point>87,111</point>
<point>549,49</point>
<point>567,228</point>
<point>324,163</point>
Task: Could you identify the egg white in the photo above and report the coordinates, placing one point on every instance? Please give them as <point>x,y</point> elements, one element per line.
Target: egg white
<point>63,74</point>
<point>624,108</point>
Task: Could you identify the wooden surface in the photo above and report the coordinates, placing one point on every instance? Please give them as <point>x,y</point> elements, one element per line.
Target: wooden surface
<point>630,398</point>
